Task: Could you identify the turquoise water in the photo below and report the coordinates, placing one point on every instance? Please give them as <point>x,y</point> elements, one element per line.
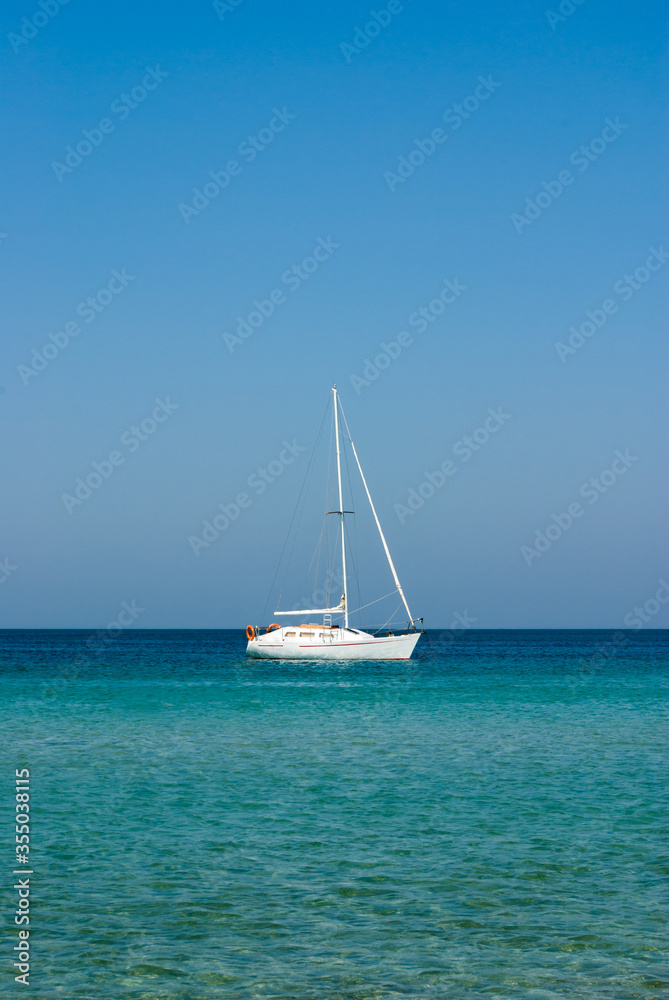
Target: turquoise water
<point>488,820</point>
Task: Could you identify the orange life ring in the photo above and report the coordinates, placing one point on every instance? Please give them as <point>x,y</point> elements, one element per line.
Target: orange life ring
<point>273,625</point>
<point>250,633</point>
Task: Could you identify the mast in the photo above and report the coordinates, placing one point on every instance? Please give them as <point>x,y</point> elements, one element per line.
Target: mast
<point>341,505</point>
<point>378,524</point>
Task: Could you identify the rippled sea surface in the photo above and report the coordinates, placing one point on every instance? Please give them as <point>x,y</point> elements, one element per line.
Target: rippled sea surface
<point>487,820</point>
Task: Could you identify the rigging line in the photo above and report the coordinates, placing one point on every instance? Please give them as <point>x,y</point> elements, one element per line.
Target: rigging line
<point>327,563</point>
<point>316,556</point>
<point>327,478</point>
<point>306,486</point>
<point>299,513</point>
<point>376,602</point>
<point>302,489</point>
<point>342,519</point>
<point>292,547</point>
<point>378,523</point>
<point>355,566</point>
<point>391,617</point>
<point>329,490</point>
<point>348,474</point>
<point>327,503</point>
<point>357,559</point>
<point>355,522</point>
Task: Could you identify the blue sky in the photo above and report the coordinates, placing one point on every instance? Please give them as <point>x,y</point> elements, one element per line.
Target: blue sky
<point>334,129</point>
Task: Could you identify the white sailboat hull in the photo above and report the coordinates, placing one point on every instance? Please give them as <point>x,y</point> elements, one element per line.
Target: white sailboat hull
<point>317,643</point>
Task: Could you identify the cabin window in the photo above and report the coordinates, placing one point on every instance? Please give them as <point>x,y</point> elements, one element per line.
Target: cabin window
<point>287,634</point>
<point>306,635</point>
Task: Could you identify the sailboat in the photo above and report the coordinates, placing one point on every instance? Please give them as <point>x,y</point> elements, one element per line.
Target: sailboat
<point>337,640</point>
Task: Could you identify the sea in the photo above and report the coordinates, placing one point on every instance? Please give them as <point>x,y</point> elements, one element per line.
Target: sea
<point>487,820</point>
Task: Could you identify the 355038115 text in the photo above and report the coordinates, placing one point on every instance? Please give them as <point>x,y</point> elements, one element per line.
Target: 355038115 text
<point>22,912</point>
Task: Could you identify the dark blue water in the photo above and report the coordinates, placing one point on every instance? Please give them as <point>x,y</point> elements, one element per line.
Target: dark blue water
<point>487,820</point>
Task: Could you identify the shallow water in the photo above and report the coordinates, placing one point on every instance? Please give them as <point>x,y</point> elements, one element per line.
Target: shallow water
<point>487,820</point>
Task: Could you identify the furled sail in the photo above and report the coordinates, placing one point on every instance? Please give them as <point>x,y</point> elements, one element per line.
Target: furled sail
<point>317,611</point>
